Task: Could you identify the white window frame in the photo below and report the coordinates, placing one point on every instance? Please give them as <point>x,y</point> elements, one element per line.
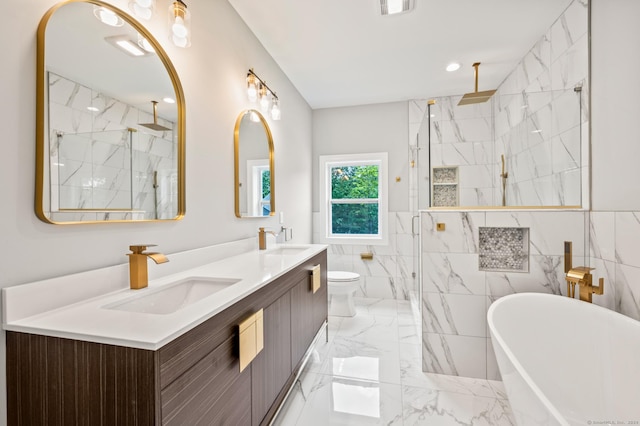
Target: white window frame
<point>327,162</point>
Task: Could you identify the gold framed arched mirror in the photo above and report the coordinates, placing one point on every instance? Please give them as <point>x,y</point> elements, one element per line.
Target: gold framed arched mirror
<point>110,121</point>
<point>254,171</point>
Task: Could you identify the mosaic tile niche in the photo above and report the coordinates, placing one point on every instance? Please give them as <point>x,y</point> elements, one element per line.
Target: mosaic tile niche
<point>504,249</point>
<point>445,187</point>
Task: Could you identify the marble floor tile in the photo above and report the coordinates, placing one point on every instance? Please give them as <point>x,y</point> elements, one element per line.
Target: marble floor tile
<point>361,361</point>
<point>370,372</point>
<point>378,307</point>
<point>372,329</point>
<point>436,407</point>
<point>323,400</point>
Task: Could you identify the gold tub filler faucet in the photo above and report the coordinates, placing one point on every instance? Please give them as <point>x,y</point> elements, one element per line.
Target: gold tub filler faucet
<point>580,276</point>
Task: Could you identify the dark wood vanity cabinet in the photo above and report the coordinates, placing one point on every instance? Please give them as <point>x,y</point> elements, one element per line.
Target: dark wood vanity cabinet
<point>194,379</point>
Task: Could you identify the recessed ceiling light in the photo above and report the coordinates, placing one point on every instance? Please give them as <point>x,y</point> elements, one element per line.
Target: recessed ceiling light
<point>453,66</point>
<point>392,7</point>
<point>536,131</point>
<point>169,100</point>
<point>93,109</point>
<point>124,43</point>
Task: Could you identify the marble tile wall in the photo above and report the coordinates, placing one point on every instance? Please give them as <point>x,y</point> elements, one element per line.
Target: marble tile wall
<point>456,294</point>
<point>540,120</point>
<point>535,119</point>
<point>390,274</point>
<point>614,253</point>
<point>99,164</point>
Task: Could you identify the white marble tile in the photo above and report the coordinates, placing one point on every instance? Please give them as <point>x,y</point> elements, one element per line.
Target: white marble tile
<point>627,235</point>
<point>360,361</point>
<point>337,401</point>
<point>426,407</point>
<point>378,288</point>
<point>340,262</point>
<point>377,307</point>
<point>628,290</point>
<point>462,315</point>
<point>546,275</point>
<point>460,236</point>
<point>547,230</point>
<point>452,273</point>
<point>377,330</point>
<point>493,371</point>
<point>405,243</point>
<point>602,235</point>
<point>379,266</point>
<point>412,375</point>
<point>454,355</point>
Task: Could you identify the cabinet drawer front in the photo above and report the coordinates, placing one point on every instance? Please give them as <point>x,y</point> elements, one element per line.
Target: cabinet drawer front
<point>209,391</point>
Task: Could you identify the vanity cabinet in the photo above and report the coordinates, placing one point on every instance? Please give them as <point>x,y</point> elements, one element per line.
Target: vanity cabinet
<point>194,379</point>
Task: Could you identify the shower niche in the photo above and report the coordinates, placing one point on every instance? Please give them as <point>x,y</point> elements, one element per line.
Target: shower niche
<point>444,189</point>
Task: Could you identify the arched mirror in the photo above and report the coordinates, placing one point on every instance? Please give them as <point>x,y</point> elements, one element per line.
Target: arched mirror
<point>110,119</point>
<point>254,169</point>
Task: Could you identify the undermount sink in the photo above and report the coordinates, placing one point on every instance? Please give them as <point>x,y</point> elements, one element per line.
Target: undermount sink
<point>286,251</point>
<point>173,297</point>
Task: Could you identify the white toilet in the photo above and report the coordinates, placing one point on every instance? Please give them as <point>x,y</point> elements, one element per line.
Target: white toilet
<point>342,285</point>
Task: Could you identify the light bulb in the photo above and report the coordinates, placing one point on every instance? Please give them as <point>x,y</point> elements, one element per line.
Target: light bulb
<point>180,41</point>
<point>178,28</point>
<point>144,3</point>
<point>275,110</point>
<point>142,12</point>
<point>252,92</point>
<point>107,16</point>
<point>264,98</point>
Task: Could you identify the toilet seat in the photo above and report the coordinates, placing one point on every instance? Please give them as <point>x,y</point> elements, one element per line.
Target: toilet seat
<point>342,276</point>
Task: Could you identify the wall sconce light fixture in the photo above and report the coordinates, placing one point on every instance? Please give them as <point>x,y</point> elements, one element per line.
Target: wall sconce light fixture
<point>268,99</point>
<point>180,24</point>
<point>179,20</point>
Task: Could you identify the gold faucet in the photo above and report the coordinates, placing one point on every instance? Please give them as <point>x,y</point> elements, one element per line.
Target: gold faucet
<point>262,238</point>
<point>138,276</point>
<point>581,276</point>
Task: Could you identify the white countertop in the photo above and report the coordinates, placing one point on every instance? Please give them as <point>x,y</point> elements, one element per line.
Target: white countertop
<point>89,320</point>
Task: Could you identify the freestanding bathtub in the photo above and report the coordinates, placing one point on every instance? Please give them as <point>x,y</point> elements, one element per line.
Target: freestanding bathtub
<point>566,362</point>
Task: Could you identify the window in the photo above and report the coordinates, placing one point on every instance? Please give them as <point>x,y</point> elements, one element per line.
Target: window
<point>353,190</point>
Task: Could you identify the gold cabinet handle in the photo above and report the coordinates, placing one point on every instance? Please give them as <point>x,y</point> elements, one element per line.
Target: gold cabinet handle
<point>251,338</point>
<point>315,278</point>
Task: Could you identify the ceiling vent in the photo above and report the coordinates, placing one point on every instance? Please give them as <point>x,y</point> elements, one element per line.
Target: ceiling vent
<point>392,7</point>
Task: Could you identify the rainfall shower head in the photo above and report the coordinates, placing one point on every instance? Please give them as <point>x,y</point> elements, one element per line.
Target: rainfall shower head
<point>476,97</point>
<point>155,126</point>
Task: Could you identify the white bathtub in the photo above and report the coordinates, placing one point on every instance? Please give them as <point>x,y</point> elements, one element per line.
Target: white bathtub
<point>566,362</point>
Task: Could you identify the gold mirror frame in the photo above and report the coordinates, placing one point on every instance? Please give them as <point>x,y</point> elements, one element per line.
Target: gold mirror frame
<point>41,113</point>
<point>272,170</point>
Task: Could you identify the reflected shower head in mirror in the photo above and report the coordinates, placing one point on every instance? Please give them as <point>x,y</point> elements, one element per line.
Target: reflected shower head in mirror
<point>476,97</point>
<point>155,126</point>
